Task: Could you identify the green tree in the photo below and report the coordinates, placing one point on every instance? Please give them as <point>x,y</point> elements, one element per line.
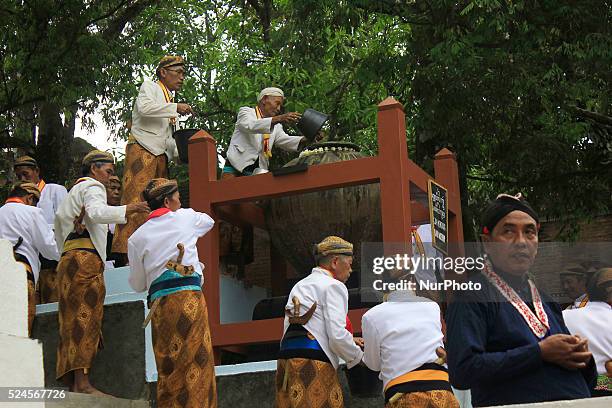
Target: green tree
<point>58,58</point>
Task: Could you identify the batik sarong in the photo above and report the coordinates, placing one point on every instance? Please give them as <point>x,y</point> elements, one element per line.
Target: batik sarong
<point>31,291</point>
<point>306,383</point>
<point>425,399</point>
<point>47,285</point>
<point>80,282</point>
<point>183,351</point>
<point>140,167</point>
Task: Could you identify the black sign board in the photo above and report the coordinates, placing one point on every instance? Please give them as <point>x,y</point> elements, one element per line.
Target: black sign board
<point>438,216</point>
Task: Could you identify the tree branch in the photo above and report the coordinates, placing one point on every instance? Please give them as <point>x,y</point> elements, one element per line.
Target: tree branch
<point>597,117</point>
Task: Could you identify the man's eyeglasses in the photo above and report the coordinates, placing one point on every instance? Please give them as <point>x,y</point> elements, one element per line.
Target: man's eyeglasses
<point>177,71</point>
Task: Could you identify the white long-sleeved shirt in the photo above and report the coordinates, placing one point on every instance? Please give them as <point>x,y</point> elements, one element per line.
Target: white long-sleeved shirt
<point>246,144</point>
<point>90,194</point>
<point>151,120</point>
<point>153,244</point>
<point>401,334</point>
<point>328,322</point>
<point>51,197</point>
<point>28,222</point>
<point>595,323</point>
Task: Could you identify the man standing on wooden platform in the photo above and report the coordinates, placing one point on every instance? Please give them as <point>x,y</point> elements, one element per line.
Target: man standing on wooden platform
<point>81,229</point>
<point>150,144</point>
<point>164,261</point>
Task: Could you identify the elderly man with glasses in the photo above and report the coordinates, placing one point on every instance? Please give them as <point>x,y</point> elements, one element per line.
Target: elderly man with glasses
<point>150,144</point>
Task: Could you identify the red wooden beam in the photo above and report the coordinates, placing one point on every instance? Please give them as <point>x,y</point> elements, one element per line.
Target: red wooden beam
<point>319,177</point>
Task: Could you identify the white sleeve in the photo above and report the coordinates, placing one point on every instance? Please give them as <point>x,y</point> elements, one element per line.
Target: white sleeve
<point>98,211</point>
<point>147,104</point>
<point>59,196</point>
<point>340,340</point>
<point>371,341</point>
<point>137,278</point>
<point>203,223</point>
<point>44,239</point>
<point>248,122</point>
<point>284,141</point>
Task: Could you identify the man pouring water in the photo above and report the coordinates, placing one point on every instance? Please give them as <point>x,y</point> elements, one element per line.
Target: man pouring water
<point>257,130</point>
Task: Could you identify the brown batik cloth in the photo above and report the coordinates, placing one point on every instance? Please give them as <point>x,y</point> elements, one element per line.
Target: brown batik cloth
<point>183,352</point>
<point>81,289</point>
<point>47,286</point>
<point>425,399</point>
<point>31,297</point>
<point>310,383</point>
<point>140,168</point>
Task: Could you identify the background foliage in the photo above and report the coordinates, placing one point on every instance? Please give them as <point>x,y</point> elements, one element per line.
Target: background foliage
<point>520,90</point>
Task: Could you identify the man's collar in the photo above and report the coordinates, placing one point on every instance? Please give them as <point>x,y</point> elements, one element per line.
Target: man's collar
<point>401,296</point>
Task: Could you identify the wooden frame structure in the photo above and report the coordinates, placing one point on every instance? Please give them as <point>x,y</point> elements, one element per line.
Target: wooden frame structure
<point>403,198</point>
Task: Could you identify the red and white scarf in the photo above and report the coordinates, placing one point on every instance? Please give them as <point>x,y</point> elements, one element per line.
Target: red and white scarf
<point>538,324</point>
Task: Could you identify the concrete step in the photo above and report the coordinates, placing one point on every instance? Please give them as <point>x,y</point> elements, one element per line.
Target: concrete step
<point>75,400</point>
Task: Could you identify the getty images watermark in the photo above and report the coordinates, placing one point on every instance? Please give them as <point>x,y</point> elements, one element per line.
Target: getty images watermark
<point>426,270</point>
<point>404,265</point>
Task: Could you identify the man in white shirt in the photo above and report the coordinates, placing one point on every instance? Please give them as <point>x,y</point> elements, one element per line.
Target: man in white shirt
<point>150,144</point>
<point>81,226</point>
<point>594,323</point>
<point>24,225</point>
<point>315,332</point>
<point>257,131</point>
<point>573,282</point>
<point>51,196</point>
<point>400,338</point>
<point>173,279</point>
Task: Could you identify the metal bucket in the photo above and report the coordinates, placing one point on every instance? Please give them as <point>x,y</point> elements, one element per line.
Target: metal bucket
<point>181,137</point>
<point>311,122</point>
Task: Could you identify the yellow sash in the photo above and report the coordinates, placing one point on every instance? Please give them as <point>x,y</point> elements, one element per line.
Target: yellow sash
<point>266,137</point>
<point>41,185</point>
<point>167,97</point>
<point>79,243</point>
<point>419,375</point>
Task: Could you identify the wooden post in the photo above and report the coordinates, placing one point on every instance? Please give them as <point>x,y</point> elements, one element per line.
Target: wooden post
<point>447,174</point>
<point>394,179</point>
<point>202,173</point>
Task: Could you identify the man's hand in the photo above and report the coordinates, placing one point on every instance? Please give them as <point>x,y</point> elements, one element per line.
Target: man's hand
<point>359,341</point>
<point>289,118</point>
<point>136,208</point>
<point>567,351</point>
<point>441,353</point>
<point>184,109</point>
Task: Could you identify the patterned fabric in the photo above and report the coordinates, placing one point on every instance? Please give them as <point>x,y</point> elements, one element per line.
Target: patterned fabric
<point>538,322</point>
<point>47,286</point>
<point>604,383</point>
<point>309,384</point>
<point>140,168</point>
<point>31,297</point>
<point>183,352</point>
<point>98,156</point>
<point>427,399</point>
<point>81,289</point>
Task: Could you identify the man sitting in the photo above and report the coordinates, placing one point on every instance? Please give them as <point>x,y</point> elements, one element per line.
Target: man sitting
<point>257,131</point>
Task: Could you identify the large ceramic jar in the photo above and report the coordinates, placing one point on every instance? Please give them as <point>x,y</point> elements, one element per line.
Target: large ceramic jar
<point>297,222</point>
